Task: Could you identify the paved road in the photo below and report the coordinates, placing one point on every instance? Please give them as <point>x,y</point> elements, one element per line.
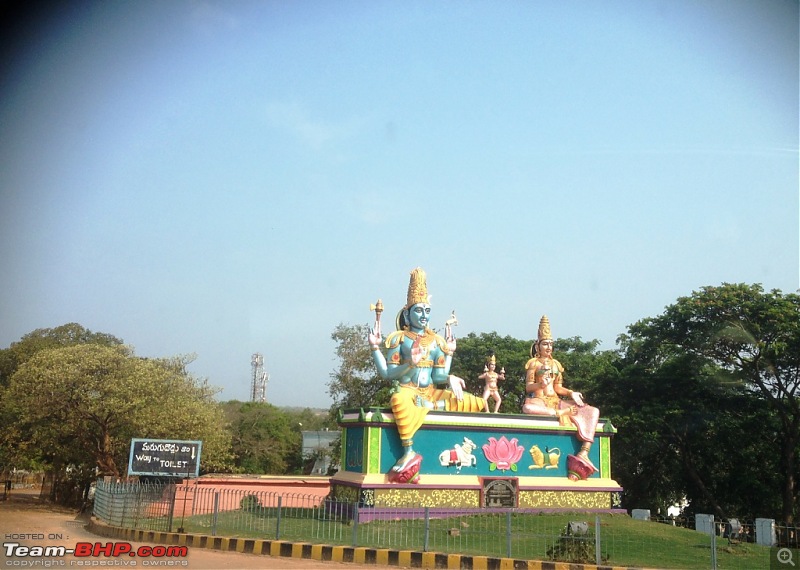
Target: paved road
<point>24,515</point>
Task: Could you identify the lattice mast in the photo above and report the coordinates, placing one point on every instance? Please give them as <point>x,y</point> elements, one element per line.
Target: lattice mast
<point>258,387</point>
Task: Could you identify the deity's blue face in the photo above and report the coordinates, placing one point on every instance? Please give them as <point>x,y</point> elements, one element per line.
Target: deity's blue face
<point>419,315</point>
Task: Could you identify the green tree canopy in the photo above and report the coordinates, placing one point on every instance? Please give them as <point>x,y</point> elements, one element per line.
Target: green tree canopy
<point>472,352</point>
<point>82,404</point>
<point>267,439</point>
<point>356,383</point>
<point>743,345</point>
<point>580,358</point>
<point>69,334</point>
<point>684,435</point>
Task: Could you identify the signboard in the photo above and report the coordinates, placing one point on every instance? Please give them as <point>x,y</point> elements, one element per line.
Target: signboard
<point>165,457</point>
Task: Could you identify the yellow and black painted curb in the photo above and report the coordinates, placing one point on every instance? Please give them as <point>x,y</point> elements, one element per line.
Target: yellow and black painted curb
<point>324,552</point>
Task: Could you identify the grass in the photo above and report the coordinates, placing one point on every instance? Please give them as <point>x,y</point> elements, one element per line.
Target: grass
<point>624,541</point>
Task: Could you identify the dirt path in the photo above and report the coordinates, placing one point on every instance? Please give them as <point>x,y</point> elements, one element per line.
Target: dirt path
<point>26,521</point>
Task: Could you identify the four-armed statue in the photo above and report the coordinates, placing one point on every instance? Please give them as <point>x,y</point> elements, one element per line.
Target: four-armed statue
<point>544,389</point>
<point>418,360</point>
<point>476,460</point>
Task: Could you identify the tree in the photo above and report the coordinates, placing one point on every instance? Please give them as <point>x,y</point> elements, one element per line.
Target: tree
<point>18,353</point>
<point>266,439</point>
<point>310,420</point>
<point>470,358</point>
<point>80,405</point>
<point>745,339</point>
<point>356,384</point>
<point>685,435</point>
<point>69,334</point>
<point>581,360</point>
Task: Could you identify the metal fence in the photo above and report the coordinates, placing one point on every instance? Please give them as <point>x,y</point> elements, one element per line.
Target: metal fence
<point>603,539</point>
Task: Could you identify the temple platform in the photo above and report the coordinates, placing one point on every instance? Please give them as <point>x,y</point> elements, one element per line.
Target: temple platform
<point>475,461</point>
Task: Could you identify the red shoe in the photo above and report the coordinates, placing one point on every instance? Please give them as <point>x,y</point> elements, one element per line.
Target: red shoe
<point>407,471</point>
<point>579,468</point>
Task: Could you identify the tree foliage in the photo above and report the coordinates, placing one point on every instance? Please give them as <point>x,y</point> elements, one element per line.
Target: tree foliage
<point>267,439</point>
<point>356,383</point>
<point>726,362</point>
<point>471,354</point>
<point>683,435</point>
<point>69,334</point>
<point>80,405</point>
<point>580,358</point>
<point>17,354</point>
<point>264,441</point>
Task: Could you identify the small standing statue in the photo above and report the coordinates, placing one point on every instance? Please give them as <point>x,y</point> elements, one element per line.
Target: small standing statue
<point>490,377</point>
<point>419,361</point>
<point>543,391</point>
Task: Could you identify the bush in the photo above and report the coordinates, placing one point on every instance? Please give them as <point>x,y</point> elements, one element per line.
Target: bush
<point>250,504</point>
<point>575,545</point>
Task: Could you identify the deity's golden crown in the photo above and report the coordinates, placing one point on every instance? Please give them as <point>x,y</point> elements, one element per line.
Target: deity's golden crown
<point>491,360</point>
<point>544,329</point>
<point>417,288</point>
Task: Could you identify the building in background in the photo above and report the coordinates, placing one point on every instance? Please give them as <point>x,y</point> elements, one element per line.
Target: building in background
<point>317,444</point>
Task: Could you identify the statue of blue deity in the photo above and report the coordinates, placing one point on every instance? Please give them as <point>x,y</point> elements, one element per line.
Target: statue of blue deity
<point>418,360</point>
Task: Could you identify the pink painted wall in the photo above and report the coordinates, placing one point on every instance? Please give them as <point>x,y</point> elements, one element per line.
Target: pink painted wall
<point>198,496</point>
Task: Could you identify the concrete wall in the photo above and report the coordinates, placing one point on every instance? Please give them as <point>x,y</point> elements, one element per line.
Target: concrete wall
<point>225,492</point>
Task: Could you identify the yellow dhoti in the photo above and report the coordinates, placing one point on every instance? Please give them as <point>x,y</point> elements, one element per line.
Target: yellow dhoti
<point>408,415</point>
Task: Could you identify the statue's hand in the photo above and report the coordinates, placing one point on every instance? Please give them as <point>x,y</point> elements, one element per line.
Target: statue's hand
<point>416,352</point>
<point>457,385</point>
<point>375,338</point>
<point>578,399</point>
<point>449,338</point>
<point>568,411</point>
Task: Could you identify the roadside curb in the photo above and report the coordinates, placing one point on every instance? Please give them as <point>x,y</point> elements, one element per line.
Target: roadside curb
<point>328,553</point>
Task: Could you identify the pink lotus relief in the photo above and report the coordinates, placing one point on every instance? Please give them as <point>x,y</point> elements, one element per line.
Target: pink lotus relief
<point>503,454</point>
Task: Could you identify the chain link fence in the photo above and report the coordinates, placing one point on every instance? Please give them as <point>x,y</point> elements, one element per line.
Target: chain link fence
<point>602,539</point>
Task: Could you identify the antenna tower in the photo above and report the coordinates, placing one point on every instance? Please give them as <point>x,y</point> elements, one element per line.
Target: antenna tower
<point>258,388</point>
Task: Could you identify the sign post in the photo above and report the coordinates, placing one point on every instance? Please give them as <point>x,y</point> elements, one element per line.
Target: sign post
<point>165,458</point>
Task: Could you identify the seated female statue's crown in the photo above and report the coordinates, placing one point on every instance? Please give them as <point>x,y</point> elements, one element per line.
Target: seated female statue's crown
<point>417,288</point>
<point>544,329</point>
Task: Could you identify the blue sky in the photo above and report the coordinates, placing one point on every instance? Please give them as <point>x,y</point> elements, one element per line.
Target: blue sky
<point>224,178</point>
